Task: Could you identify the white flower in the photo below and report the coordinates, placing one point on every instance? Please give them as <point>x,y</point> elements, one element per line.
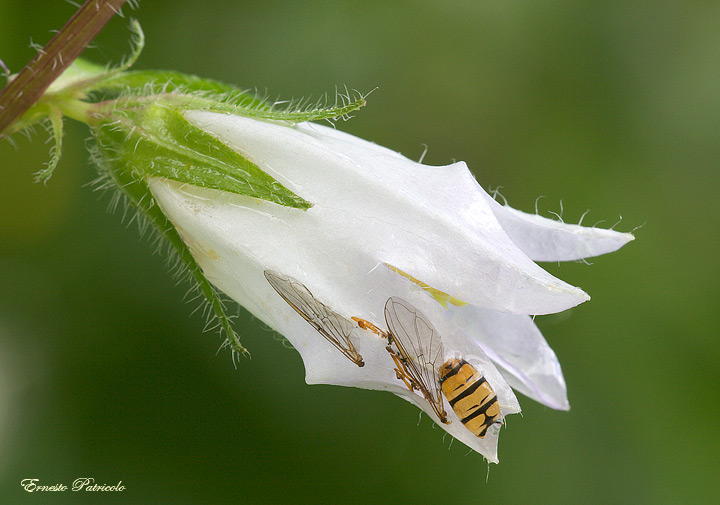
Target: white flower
<point>384,226</point>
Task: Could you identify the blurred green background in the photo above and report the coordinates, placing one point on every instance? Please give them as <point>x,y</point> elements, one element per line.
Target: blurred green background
<point>105,371</point>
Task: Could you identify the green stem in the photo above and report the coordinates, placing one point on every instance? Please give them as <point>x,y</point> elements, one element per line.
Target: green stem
<point>32,81</point>
<point>83,112</point>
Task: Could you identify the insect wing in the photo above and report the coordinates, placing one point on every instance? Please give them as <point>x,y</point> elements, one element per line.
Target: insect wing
<point>331,325</point>
<point>420,348</point>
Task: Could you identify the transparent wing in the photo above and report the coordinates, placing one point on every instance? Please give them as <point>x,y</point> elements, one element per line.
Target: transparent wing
<point>419,347</point>
<point>331,325</point>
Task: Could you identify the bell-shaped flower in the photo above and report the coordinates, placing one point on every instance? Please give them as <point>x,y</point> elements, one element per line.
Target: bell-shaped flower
<point>382,272</point>
<point>378,226</point>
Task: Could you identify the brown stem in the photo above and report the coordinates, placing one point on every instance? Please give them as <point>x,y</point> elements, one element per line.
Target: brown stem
<point>32,81</point>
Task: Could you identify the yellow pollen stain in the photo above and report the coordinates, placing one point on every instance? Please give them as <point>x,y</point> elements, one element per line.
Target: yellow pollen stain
<point>212,254</point>
<point>197,249</point>
<point>441,297</point>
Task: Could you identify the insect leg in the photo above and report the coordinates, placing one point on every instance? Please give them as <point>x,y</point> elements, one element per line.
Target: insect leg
<point>367,325</point>
<point>401,371</point>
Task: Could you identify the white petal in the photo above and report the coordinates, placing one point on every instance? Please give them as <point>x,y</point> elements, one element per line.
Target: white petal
<point>235,238</point>
<point>545,239</point>
<point>431,222</point>
<point>519,350</point>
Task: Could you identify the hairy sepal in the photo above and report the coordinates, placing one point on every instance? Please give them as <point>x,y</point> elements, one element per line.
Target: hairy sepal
<point>112,165</point>
<point>158,141</point>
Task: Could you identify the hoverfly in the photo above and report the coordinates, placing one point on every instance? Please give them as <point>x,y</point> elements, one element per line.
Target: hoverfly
<point>470,396</point>
<point>331,325</point>
<point>418,353</point>
<point>416,349</point>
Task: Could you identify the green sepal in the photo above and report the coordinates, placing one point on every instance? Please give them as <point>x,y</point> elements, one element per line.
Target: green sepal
<point>120,176</point>
<point>216,96</point>
<point>158,141</point>
<point>56,127</point>
<point>160,82</point>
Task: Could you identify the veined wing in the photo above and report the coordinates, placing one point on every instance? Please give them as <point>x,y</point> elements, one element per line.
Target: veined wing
<point>420,348</point>
<point>331,325</point>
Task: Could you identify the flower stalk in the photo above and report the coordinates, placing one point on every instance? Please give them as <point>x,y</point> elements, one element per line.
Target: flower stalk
<point>25,89</point>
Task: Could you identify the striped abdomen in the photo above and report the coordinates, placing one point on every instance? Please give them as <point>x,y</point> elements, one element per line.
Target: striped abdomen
<point>469,395</point>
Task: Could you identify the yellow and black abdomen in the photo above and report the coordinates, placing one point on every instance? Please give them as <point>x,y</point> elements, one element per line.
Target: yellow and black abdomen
<point>469,395</point>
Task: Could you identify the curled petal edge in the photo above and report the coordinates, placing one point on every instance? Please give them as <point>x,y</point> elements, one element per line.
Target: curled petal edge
<point>544,239</point>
